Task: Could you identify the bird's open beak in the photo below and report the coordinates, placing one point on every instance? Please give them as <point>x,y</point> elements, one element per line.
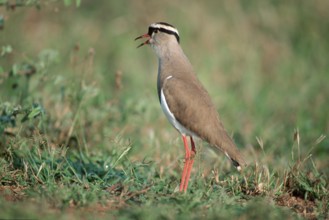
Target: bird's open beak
<point>143,36</point>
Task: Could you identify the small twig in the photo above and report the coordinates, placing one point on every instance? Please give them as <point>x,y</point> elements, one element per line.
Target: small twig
<point>130,195</point>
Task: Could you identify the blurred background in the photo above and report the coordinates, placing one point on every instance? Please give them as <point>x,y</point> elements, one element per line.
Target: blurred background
<point>264,63</point>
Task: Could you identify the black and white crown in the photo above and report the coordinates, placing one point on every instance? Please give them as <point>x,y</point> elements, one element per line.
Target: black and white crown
<point>163,27</point>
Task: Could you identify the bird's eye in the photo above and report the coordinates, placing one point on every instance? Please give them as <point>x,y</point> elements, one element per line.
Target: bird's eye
<point>156,31</point>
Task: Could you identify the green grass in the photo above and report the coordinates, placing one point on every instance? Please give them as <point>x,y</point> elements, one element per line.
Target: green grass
<point>82,134</point>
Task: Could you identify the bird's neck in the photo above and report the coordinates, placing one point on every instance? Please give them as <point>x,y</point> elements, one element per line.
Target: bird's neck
<point>172,62</point>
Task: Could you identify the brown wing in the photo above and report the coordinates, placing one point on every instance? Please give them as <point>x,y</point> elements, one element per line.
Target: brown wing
<point>193,108</point>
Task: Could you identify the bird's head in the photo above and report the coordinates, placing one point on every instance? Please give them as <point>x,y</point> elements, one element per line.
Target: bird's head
<point>160,35</point>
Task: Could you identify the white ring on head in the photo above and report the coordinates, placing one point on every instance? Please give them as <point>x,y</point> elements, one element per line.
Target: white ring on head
<point>157,25</point>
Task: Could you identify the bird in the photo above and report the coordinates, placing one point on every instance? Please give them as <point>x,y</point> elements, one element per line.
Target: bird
<point>184,100</point>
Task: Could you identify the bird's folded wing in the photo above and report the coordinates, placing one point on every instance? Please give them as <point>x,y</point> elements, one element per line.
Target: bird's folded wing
<point>192,107</point>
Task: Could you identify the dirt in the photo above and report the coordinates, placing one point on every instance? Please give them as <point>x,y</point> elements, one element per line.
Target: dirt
<point>305,208</point>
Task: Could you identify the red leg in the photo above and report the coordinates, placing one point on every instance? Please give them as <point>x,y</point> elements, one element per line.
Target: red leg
<point>190,163</point>
<point>185,170</point>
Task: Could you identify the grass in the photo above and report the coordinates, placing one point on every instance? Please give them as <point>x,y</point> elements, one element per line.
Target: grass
<point>82,134</point>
